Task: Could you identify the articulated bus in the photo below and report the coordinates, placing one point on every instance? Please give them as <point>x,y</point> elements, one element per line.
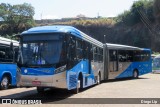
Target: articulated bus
<point>126,61</point>
<point>65,57</point>
<point>8,67</point>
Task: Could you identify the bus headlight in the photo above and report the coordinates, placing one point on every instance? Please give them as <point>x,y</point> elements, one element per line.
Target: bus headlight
<point>60,69</point>
<point>25,71</point>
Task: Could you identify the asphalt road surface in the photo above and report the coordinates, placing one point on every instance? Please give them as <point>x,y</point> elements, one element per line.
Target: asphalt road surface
<point>147,86</point>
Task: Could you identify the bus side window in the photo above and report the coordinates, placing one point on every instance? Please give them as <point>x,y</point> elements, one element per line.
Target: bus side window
<point>137,56</point>
<point>95,53</point>
<point>6,54</point>
<point>71,51</point>
<point>9,55</point>
<point>16,50</point>
<point>85,50</point>
<point>91,48</point>
<point>72,48</point>
<point>79,49</point>
<point>2,54</point>
<point>100,55</point>
<point>129,56</point>
<point>113,55</point>
<point>145,56</point>
<point>63,56</point>
<point>125,56</point>
<point>122,56</point>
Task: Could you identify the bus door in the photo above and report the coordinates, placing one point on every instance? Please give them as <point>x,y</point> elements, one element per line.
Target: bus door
<point>113,63</point>
<point>87,60</point>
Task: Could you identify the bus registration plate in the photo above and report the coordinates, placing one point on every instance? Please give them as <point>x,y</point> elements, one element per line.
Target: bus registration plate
<point>36,82</point>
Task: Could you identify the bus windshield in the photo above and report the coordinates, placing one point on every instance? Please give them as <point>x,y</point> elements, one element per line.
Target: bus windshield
<point>36,52</point>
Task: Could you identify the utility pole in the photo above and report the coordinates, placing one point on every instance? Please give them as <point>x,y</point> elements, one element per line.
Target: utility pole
<point>104,38</point>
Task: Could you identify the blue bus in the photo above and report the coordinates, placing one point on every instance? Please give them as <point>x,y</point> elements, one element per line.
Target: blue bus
<point>65,57</point>
<point>156,64</point>
<point>127,61</point>
<point>8,67</point>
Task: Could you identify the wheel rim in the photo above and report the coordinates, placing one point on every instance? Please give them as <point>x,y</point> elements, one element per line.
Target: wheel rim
<point>78,85</point>
<point>5,82</point>
<point>135,74</point>
<point>98,79</point>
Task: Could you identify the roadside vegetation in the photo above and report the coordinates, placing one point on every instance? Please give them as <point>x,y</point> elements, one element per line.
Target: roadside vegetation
<point>15,19</point>
<point>139,26</point>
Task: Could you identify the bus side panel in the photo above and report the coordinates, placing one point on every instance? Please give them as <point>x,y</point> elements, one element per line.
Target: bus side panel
<point>9,69</point>
<point>88,78</point>
<point>142,67</point>
<point>73,74</point>
<point>97,67</point>
<point>124,69</point>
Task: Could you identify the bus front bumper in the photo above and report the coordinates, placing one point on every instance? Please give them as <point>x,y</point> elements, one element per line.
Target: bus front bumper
<point>56,80</point>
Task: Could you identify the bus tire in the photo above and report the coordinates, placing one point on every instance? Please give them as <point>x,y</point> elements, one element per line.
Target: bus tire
<point>99,78</point>
<point>79,84</point>
<point>5,82</point>
<point>40,90</point>
<point>135,74</point>
<point>76,90</point>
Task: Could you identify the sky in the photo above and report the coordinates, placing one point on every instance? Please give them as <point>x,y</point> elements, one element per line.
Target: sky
<point>57,9</point>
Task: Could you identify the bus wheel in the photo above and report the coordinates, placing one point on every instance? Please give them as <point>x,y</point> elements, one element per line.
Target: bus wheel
<point>99,78</point>
<point>135,74</point>
<point>76,90</point>
<point>5,83</point>
<point>40,90</point>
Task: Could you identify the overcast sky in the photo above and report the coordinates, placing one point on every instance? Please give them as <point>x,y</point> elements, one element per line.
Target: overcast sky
<point>53,9</point>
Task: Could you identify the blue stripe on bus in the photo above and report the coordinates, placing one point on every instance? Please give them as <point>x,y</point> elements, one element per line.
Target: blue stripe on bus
<point>142,67</point>
<point>37,71</point>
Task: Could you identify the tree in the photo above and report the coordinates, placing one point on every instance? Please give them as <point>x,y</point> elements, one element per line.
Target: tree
<point>16,18</point>
<point>133,16</point>
<point>126,18</point>
<point>4,10</point>
<point>156,8</point>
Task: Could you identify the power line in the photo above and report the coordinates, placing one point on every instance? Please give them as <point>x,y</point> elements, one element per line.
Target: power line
<point>145,22</point>
<point>148,22</point>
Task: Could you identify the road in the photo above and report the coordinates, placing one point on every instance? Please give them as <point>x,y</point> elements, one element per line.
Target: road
<point>147,86</point>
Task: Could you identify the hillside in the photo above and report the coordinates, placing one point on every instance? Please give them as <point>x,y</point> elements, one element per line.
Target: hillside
<point>137,35</point>
<point>138,26</point>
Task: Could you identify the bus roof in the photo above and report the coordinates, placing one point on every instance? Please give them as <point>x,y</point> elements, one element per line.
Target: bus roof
<point>50,29</point>
<point>124,47</point>
<point>5,41</point>
<point>63,29</point>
